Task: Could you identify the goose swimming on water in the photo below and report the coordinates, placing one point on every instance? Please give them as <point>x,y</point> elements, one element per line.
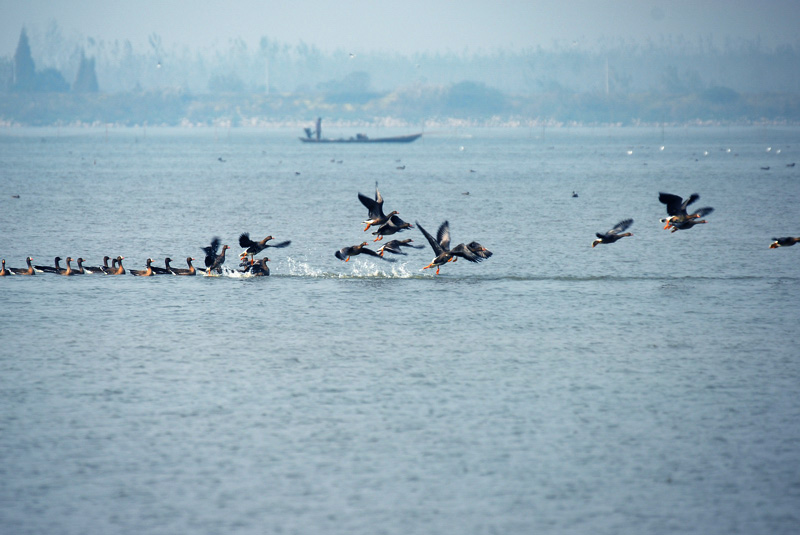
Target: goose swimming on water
<point>23,271</point>
<point>116,266</point>
<point>98,269</point>
<point>69,271</point>
<point>147,272</point>
<point>260,268</point>
<point>185,271</point>
<point>166,270</point>
<point>51,269</point>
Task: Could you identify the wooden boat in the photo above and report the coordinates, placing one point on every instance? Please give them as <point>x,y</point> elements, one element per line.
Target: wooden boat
<point>316,137</point>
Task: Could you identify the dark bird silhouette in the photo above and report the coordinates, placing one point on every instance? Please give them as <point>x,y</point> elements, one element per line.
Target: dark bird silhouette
<point>392,226</point>
<point>783,242</point>
<point>614,234</point>
<point>394,246</point>
<point>97,269</point>
<point>252,248</point>
<point>676,206</point>
<point>441,247</point>
<point>116,266</point>
<point>474,248</point>
<point>23,271</point>
<point>260,268</point>
<point>80,270</point>
<point>689,223</point>
<point>375,217</point>
<point>677,210</point>
<point>51,269</point>
<point>147,272</point>
<point>69,271</point>
<point>185,271</point>
<point>166,270</point>
<point>213,260</point>
<point>346,252</point>
<point>113,270</point>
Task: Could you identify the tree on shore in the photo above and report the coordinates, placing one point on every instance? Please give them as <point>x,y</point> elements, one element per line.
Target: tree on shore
<point>24,68</point>
<point>25,77</point>
<point>86,79</point>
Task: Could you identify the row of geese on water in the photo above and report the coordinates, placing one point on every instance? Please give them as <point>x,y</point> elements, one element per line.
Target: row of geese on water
<point>213,261</point>
<point>679,217</point>
<point>215,256</point>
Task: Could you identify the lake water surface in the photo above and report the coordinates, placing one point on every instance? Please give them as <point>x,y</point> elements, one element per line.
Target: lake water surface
<point>647,386</point>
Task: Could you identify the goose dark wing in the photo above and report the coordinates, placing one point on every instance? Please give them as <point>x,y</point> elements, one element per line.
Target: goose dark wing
<point>702,212</point>
<point>621,226</point>
<point>673,203</point>
<point>479,249</point>
<point>370,252</point>
<point>245,241</point>
<point>280,245</point>
<point>392,225</point>
<point>392,247</point>
<point>464,252</point>
<point>343,253</point>
<point>397,221</point>
<point>693,197</point>
<point>434,244</point>
<point>374,207</point>
<point>443,236</point>
<point>211,251</point>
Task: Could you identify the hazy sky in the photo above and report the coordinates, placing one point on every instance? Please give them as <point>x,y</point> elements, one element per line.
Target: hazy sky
<point>406,26</point>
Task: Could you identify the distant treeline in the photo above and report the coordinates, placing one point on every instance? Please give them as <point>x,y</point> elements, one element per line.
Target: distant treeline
<point>467,102</point>
<point>54,79</point>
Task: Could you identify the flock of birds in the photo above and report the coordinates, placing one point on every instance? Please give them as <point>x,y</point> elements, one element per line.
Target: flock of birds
<point>214,259</point>
<point>391,223</point>
<point>679,217</point>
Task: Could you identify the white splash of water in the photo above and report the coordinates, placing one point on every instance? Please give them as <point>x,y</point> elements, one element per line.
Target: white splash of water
<point>355,268</point>
<point>230,273</point>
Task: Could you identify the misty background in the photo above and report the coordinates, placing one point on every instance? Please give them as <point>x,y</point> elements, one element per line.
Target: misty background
<point>55,75</point>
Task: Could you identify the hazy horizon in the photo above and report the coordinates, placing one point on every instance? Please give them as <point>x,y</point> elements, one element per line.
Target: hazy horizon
<point>415,26</point>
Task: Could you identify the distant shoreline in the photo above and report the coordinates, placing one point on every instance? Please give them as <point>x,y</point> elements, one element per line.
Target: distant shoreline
<point>415,112</point>
<point>428,127</point>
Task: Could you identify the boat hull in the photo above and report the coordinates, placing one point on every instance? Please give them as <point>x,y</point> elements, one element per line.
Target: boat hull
<point>364,139</point>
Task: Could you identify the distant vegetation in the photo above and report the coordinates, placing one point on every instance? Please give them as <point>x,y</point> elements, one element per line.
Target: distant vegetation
<point>55,80</point>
